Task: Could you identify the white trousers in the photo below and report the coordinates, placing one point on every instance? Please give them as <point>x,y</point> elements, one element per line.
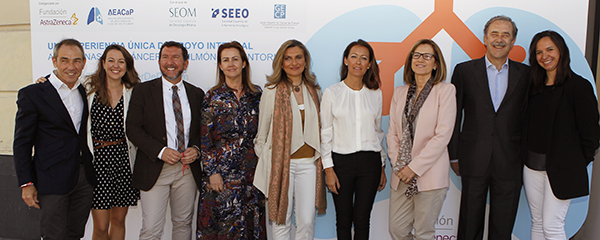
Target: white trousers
<point>418,213</point>
<point>179,188</point>
<point>301,198</point>
<point>547,212</point>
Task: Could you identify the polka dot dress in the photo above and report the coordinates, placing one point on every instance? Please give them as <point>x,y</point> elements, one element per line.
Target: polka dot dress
<point>111,162</point>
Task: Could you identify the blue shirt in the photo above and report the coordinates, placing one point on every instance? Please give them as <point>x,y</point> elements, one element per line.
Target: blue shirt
<point>497,81</point>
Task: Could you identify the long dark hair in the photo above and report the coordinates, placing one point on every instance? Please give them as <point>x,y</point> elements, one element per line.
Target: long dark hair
<point>246,83</point>
<point>563,68</point>
<point>97,83</point>
<point>371,78</point>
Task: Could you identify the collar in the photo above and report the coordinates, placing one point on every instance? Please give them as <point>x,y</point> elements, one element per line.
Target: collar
<point>57,83</point>
<point>489,64</point>
<point>168,85</point>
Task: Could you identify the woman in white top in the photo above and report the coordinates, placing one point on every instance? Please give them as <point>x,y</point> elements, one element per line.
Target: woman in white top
<point>422,116</point>
<point>289,170</point>
<point>351,140</point>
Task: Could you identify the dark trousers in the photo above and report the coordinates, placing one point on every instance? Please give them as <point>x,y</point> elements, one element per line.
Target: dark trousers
<point>65,216</point>
<point>504,201</point>
<point>359,175</point>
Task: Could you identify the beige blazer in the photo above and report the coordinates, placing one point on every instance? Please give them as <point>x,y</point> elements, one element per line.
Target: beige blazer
<point>130,147</point>
<point>433,130</point>
<point>263,140</point>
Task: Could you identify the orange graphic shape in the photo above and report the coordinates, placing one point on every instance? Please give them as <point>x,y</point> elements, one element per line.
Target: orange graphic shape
<point>392,55</point>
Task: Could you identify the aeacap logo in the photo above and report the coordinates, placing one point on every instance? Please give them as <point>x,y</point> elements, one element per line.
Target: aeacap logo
<point>94,16</point>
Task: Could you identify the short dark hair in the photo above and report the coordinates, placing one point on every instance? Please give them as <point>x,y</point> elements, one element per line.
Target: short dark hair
<point>371,78</point>
<point>563,68</point>
<point>184,51</point>
<point>67,42</point>
<point>501,18</point>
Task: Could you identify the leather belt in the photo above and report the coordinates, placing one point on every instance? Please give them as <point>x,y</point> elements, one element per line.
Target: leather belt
<point>106,143</point>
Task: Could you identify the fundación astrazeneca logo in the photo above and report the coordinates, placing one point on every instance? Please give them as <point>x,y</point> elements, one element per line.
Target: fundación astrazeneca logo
<point>94,16</point>
<point>279,11</point>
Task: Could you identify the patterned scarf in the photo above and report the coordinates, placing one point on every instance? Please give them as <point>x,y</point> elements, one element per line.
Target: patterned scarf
<point>280,160</point>
<point>411,110</point>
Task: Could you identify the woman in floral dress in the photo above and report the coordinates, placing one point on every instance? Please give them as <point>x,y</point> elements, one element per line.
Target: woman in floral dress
<point>230,206</point>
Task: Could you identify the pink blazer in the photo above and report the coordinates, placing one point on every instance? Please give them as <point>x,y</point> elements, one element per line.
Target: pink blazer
<point>433,130</point>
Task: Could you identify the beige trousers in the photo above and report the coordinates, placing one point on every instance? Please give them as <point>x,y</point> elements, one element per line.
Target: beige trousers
<point>180,189</point>
<point>419,213</point>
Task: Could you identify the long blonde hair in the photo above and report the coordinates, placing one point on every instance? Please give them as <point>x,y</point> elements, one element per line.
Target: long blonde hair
<point>279,75</point>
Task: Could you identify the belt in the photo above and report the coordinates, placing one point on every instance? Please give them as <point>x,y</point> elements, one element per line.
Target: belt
<point>106,143</point>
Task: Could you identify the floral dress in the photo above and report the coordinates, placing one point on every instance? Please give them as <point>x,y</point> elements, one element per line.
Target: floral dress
<point>228,129</point>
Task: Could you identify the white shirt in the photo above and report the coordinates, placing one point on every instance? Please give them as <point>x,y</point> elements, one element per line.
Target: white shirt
<point>170,122</point>
<point>351,122</point>
<point>497,81</point>
<point>71,98</point>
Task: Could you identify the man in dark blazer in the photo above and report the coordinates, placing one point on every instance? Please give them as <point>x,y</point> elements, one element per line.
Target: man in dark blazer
<point>59,178</point>
<point>164,123</point>
<point>490,95</point>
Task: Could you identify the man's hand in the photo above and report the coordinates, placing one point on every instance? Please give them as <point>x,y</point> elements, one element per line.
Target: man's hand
<point>332,181</point>
<point>455,168</point>
<point>190,155</point>
<point>171,156</point>
<point>29,195</point>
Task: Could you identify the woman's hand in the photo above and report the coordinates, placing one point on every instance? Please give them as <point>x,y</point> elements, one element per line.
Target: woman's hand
<point>216,182</point>
<point>332,181</point>
<point>41,80</point>
<point>383,180</point>
<point>406,174</point>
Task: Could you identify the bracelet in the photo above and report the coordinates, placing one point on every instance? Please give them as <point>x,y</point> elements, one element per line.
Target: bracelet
<point>27,184</point>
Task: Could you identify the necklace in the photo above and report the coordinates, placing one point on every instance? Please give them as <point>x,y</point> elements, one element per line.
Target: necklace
<point>297,87</point>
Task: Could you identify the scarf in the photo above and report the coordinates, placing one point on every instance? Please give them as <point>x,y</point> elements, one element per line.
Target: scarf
<point>281,155</point>
<point>411,110</point>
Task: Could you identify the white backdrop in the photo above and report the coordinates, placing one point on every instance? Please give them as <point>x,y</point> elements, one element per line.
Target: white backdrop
<point>326,27</point>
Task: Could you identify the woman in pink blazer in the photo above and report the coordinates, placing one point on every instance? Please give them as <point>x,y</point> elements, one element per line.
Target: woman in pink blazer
<point>422,117</point>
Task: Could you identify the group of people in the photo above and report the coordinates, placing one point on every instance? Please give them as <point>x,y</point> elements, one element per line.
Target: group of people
<point>263,156</point>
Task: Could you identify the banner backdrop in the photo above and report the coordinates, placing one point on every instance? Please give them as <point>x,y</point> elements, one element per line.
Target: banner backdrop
<point>326,27</point>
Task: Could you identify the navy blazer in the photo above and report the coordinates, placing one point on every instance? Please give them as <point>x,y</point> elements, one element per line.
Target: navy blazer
<point>483,136</point>
<point>146,129</point>
<point>574,137</point>
<point>44,124</point>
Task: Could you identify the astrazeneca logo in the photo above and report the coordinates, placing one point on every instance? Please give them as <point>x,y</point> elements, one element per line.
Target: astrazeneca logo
<point>94,16</point>
<point>230,12</point>
<point>279,11</point>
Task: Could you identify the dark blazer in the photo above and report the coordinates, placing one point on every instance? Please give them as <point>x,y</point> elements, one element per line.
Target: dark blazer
<point>484,131</point>
<point>573,139</point>
<point>44,124</point>
<point>146,130</point>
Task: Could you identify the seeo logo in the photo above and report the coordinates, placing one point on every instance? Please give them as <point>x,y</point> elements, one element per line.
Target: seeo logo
<point>230,12</point>
<point>94,16</point>
<point>279,11</point>
<point>182,12</point>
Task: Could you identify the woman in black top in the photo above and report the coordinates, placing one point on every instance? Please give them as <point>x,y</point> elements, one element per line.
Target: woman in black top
<point>561,135</point>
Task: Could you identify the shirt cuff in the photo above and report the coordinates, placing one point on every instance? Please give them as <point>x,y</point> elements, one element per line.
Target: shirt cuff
<point>327,162</point>
<point>161,153</point>
<point>454,161</point>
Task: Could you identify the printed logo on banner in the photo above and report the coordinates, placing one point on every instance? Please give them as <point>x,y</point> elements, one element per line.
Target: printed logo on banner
<point>57,17</point>
<point>279,11</point>
<point>232,17</point>
<point>182,16</point>
<point>94,16</point>
<point>120,16</point>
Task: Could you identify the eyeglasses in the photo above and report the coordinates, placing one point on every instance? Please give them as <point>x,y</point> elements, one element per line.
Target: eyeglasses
<point>426,56</point>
